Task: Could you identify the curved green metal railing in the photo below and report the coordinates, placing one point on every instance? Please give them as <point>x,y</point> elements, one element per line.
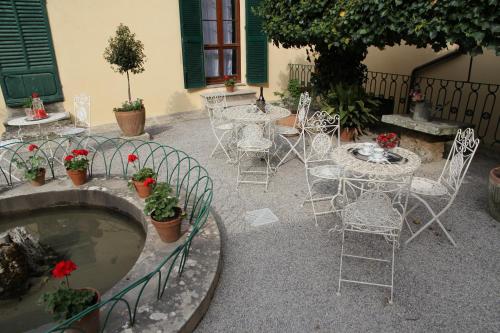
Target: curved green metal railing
<point>109,157</point>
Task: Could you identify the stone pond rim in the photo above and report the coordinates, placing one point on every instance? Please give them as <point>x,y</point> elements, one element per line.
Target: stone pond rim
<point>204,262</point>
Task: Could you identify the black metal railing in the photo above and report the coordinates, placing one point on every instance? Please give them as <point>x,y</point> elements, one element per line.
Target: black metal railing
<point>473,103</point>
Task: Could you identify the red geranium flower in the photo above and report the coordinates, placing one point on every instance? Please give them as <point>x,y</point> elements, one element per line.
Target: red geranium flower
<point>63,268</point>
<point>84,152</point>
<point>32,147</point>
<point>34,95</point>
<point>149,181</point>
<point>132,158</point>
<point>69,158</point>
<point>226,77</point>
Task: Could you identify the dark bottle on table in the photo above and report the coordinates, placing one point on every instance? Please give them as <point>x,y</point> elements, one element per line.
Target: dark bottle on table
<point>261,102</point>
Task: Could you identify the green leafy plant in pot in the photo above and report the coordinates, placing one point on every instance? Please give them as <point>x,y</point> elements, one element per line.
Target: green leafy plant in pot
<point>65,302</point>
<point>33,166</point>
<point>143,179</point>
<point>126,55</point>
<point>165,213</point>
<point>76,166</point>
<point>291,96</point>
<point>354,107</point>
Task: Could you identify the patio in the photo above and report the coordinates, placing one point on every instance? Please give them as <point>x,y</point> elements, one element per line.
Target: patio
<point>283,276</point>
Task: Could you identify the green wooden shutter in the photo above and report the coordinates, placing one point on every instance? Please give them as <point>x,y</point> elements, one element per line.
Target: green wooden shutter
<point>27,59</point>
<point>257,61</point>
<point>192,43</point>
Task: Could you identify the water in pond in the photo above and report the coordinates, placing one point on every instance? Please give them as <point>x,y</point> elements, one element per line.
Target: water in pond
<point>104,245</point>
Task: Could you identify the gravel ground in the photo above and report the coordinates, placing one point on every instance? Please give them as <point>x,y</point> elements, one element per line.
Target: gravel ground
<point>282,277</point>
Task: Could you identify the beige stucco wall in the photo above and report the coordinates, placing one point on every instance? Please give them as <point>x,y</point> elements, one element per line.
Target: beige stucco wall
<point>81,28</point>
<point>402,59</point>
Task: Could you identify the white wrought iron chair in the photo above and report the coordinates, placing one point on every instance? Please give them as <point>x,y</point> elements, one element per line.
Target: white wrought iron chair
<point>375,205</point>
<point>254,142</point>
<point>291,136</point>
<point>446,188</point>
<point>223,130</point>
<point>321,135</point>
<point>81,112</point>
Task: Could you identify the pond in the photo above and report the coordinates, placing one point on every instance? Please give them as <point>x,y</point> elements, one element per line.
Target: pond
<point>103,243</point>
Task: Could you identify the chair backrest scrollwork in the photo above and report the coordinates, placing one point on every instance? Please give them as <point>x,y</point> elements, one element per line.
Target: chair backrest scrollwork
<point>459,159</point>
<point>321,136</point>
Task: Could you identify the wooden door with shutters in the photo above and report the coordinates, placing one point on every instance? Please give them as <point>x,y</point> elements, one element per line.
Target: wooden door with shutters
<point>27,58</point>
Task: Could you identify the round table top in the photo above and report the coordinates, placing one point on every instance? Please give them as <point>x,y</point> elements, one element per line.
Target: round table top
<point>343,156</point>
<point>52,117</point>
<point>250,113</point>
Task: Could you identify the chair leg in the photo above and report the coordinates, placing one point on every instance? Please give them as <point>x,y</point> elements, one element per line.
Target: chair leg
<point>341,255</point>
<point>406,217</point>
<point>392,272</point>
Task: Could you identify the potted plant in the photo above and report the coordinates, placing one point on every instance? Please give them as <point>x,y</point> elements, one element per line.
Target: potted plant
<point>421,109</point>
<point>229,82</point>
<point>77,165</point>
<point>354,107</point>
<point>143,179</point>
<point>66,302</point>
<point>125,54</point>
<point>165,215</point>
<point>494,193</point>
<point>33,167</point>
<point>387,140</point>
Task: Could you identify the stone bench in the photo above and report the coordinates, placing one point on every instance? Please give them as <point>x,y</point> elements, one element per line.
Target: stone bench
<point>425,138</point>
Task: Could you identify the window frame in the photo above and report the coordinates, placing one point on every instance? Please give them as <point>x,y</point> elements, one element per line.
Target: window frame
<point>221,46</point>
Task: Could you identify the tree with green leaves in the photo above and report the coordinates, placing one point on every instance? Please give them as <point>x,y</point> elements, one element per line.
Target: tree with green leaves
<point>338,33</point>
<point>125,54</point>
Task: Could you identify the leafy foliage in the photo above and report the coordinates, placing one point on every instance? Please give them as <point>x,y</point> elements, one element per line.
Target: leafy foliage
<point>161,203</point>
<point>290,97</point>
<point>131,106</point>
<point>64,303</point>
<point>338,33</point>
<point>125,53</point>
<point>77,161</point>
<point>33,164</point>
<point>354,107</point>
<point>143,173</point>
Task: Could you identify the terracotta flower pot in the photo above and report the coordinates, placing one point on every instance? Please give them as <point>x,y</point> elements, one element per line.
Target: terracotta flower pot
<point>91,322</point>
<point>131,122</point>
<point>170,230</point>
<point>78,177</point>
<point>494,193</point>
<point>40,178</point>
<point>142,190</point>
<point>347,134</point>
<point>230,88</point>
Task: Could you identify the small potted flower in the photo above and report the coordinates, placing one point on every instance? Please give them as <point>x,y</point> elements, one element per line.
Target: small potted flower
<point>421,109</point>
<point>143,179</point>
<point>165,213</point>
<point>66,302</point>
<point>33,167</point>
<point>76,166</point>
<point>388,140</point>
<point>229,82</point>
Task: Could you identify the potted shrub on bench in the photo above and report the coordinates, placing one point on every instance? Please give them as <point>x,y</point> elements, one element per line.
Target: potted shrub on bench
<point>125,54</point>
<point>165,213</point>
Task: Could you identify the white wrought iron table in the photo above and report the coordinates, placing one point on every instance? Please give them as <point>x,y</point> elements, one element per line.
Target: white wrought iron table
<point>52,117</point>
<point>342,156</point>
<point>250,113</point>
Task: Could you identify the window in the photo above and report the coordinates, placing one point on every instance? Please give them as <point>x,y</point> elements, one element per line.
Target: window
<point>27,59</point>
<point>221,39</point>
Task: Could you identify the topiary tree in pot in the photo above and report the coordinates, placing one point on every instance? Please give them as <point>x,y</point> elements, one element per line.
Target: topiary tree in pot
<point>126,55</point>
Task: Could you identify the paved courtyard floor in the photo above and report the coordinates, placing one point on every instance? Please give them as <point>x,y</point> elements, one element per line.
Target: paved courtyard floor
<point>282,276</point>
